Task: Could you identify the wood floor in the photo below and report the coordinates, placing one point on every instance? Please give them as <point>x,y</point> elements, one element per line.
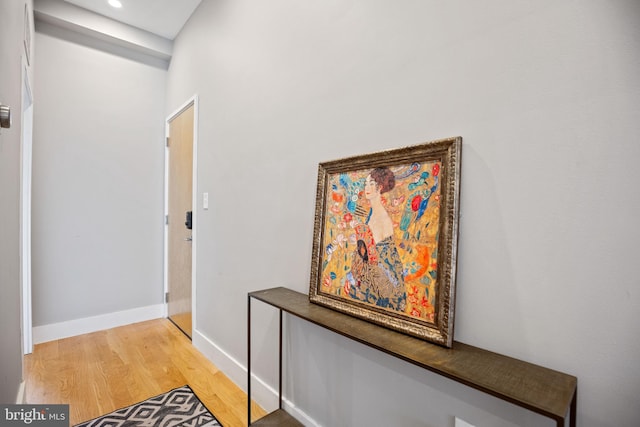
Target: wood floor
<point>103,371</point>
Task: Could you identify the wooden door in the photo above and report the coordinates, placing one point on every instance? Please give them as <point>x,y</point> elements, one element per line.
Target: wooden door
<point>180,194</point>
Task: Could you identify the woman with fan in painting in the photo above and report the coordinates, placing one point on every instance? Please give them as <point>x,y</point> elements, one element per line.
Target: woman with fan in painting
<point>376,263</point>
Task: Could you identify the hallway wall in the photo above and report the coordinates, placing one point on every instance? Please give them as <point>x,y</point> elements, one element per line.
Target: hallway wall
<point>545,94</point>
<point>98,180</point>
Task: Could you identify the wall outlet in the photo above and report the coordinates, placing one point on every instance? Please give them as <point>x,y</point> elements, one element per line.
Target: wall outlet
<point>462,423</point>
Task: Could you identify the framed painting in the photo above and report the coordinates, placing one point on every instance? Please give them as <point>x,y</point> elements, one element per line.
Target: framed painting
<point>385,238</point>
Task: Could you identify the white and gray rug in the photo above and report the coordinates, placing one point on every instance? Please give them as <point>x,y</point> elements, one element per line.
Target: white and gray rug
<point>177,408</point>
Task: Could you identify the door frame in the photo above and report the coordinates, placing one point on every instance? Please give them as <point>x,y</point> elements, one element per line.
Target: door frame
<point>194,201</point>
<point>26,160</point>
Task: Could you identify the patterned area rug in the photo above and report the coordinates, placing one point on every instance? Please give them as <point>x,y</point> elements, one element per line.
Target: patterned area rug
<point>177,408</point>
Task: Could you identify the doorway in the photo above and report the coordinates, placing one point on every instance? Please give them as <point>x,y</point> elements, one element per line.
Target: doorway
<point>180,216</point>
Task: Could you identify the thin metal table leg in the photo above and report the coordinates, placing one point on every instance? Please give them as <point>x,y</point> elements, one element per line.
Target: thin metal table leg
<point>574,408</point>
<point>562,422</point>
<point>249,360</point>
<point>280,364</point>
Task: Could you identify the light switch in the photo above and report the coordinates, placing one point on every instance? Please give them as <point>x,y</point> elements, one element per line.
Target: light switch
<point>205,201</point>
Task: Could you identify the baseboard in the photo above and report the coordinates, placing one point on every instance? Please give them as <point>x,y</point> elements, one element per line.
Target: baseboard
<point>261,392</point>
<point>87,325</point>
<point>22,394</point>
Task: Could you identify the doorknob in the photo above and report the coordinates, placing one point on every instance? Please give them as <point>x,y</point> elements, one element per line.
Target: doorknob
<point>5,116</point>
<point>188,239</point>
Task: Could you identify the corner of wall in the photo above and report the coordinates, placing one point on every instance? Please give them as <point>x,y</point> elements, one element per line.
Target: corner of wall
<point>22,394</point>
<point>262,393</point>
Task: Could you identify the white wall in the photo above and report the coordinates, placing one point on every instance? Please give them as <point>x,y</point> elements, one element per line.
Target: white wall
<point>11,60</point>
<point>545,94</point>
<point>98,180</point>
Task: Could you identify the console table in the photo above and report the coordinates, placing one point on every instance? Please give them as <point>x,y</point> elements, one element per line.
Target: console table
<point>547,392</point>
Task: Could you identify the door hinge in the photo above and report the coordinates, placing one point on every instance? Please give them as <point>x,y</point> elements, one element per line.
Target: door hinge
<point>166,297</point>
<point>167,141</point>
<point>166,220</point>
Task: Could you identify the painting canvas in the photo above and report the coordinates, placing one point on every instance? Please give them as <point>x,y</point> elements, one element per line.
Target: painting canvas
<point>385,238</point>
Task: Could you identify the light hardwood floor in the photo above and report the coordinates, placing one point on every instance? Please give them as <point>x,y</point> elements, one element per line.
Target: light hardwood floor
<point>103,371</point>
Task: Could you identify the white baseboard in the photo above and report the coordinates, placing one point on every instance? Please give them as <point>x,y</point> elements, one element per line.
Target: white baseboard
<point>87,325</point>
<point>22,394</point>
<point>261,392</point>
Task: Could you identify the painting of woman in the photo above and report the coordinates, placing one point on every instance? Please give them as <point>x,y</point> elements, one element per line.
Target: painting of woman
<point>376,264</point>
<point>385,237</point>
<point>380,237</point>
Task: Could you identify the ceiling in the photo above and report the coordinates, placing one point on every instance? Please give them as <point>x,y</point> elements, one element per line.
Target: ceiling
<point>161,17</point>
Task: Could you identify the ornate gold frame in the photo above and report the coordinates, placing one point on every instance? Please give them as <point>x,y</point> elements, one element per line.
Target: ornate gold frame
<point>438,328</point>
